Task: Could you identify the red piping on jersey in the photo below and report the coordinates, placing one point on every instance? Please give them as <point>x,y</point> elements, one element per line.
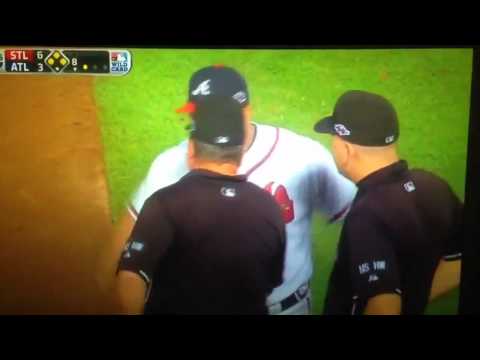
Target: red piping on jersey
<point>339,214</point>
<point>260,163</point>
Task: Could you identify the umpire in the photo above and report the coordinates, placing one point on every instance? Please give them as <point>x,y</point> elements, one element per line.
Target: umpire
<point>212,243</point>
<point>400,243</point>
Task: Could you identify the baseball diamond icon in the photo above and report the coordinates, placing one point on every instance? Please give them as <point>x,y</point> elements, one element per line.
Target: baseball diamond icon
<point>57,61</point>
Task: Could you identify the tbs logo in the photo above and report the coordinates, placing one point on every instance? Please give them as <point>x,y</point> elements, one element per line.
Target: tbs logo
<point>118,56</point>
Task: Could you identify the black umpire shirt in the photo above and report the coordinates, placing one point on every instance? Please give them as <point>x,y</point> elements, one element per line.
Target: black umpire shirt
<point>401,224</point>
<point>208,244</point>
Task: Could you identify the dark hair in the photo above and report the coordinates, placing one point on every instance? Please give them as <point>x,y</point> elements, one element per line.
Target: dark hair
<point>231,154</point>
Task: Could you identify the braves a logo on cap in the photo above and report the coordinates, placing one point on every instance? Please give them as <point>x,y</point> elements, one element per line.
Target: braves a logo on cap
<point>341,130</point>
<point>280,194</point>
<point>202,89</point>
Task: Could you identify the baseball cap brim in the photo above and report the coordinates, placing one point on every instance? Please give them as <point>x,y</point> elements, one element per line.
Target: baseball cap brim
<point>325,126</point>
<point>188,108</point>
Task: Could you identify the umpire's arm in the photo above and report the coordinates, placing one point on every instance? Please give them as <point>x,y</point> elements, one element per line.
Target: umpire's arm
<point>447,273</point>
<point>149,241</point>
<point>105,272</point>
<point>373,265</point>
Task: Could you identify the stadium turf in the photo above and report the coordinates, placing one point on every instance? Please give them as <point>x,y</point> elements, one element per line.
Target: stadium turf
<point>430,89</point>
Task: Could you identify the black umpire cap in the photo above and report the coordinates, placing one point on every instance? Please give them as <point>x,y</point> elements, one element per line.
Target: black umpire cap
<point>218,120</point>
<point>215,80</point>
<point>362,118</point>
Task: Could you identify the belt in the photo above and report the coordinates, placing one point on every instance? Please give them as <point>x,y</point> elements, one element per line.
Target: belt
<point>293,299</point>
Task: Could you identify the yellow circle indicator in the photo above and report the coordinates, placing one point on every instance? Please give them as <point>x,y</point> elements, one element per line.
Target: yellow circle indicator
<point>85,67</point>
<point>63,61</point>
<point>56,55</point>
<point>50,61</point>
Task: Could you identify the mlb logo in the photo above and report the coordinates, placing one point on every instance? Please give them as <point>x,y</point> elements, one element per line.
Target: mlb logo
<point>221,140</point>
<point>121,57</point>
<point>118,56</point>
<point>228,192</point>
<point>409,186</point>
<point>119,61</point>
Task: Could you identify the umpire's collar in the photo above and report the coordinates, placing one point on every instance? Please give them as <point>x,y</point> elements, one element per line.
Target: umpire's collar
<point>384,175</point>
<point>215,175</point>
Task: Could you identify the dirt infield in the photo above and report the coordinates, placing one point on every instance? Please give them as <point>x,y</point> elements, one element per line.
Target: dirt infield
<point>55,218</point>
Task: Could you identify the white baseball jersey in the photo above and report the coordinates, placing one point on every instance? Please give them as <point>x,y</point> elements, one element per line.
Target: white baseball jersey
<point>299,172</point>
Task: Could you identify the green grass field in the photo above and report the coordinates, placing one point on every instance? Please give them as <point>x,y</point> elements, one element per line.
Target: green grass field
<point>292,88</point>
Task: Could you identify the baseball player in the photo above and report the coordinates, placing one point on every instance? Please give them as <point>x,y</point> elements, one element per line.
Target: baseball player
<point>212,243</point>
<point>298,172</point>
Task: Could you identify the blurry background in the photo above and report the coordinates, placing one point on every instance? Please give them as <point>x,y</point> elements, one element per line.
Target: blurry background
<point>292,88</point>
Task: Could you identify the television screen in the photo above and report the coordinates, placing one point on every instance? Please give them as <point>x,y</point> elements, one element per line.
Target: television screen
<point>81,128</point>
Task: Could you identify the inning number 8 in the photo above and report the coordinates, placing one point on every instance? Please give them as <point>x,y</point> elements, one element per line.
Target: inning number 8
<point>74,61</point>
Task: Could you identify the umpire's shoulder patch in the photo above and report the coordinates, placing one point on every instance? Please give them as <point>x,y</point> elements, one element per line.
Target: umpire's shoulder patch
<point>132,245</point>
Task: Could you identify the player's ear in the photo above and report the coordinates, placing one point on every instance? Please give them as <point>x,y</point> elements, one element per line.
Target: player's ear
<point>350,149</point>
<point>247,113</point>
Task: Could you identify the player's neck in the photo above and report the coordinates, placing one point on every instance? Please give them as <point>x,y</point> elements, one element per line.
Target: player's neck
<point>224,168</point>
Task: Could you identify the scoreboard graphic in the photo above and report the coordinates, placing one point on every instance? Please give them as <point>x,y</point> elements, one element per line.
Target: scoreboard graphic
<point>65,61</point>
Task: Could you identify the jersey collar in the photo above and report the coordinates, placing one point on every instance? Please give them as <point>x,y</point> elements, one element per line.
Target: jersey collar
<point>265,138</point>
<point>384,175</point>
<point>214,175</point>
